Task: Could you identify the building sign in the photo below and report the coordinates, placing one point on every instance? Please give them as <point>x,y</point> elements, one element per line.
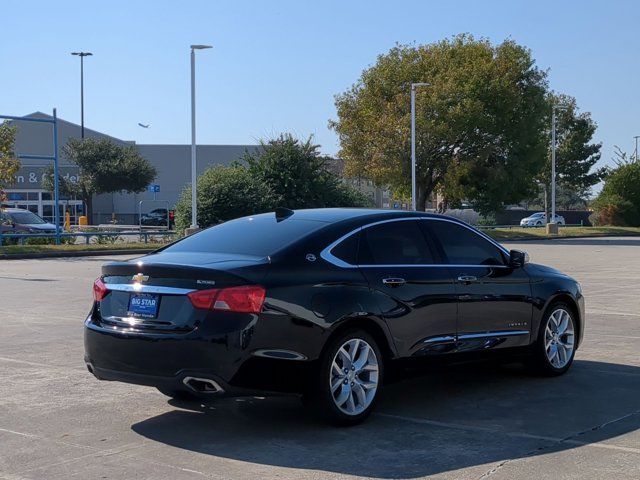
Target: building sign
<point>31,176</point>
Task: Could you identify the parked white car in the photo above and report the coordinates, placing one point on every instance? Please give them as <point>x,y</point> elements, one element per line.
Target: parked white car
<point>539,219</point>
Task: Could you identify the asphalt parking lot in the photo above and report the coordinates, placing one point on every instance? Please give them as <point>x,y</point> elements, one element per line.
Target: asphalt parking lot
<point>471,422</point>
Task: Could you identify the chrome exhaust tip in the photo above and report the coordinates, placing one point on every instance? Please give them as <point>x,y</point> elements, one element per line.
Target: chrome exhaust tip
<point>202,385</point>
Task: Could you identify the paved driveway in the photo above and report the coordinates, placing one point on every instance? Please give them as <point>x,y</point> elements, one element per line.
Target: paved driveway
<point>58,422</point>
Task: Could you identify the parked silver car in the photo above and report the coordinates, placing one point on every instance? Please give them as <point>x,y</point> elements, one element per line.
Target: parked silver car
<point>538,219</point>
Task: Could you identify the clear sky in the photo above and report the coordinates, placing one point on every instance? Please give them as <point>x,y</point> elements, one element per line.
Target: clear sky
<point>276,65</point>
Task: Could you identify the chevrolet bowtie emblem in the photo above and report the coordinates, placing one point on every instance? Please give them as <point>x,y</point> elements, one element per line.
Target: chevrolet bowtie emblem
<point>139,278</point>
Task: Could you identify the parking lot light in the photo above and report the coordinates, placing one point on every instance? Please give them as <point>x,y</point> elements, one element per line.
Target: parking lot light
<point>553,161</point>
<point>194,214</point>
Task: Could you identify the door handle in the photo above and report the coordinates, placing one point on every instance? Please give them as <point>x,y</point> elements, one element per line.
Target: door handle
<point>467,278</point>
<point>394,281</point>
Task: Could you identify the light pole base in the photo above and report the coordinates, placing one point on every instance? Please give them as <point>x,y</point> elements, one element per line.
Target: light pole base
<point>191,231</point>
<point>552,229</point>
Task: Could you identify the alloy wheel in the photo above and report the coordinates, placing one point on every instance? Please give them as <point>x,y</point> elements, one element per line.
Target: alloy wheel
<point>559,338</point>
<point>353,377</point>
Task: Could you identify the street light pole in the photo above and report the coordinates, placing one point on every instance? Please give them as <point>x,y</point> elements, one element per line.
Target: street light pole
<point>553,166</point>
<point>554,122</point>
<point>194,214</point>
<point>82,55</point>
<point>636,152</point>
<point>413,141</point>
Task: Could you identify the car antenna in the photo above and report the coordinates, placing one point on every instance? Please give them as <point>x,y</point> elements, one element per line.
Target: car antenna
<point>282,213</point>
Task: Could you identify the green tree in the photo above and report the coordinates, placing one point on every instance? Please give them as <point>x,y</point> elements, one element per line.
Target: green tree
<point>576,156</point>
<point>479,125</point>
<point>225,193</point>
<point>619,200</point>
<point>9,163</point>
<point>105,167</point>
<point>298,174</point>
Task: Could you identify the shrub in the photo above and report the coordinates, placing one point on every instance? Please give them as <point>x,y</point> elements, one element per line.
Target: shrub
<point>619,201</point>
<point>614,210</point>
<point>225,193</point>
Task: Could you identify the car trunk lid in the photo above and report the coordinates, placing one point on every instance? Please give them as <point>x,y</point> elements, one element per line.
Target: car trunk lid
<point>150,293</point>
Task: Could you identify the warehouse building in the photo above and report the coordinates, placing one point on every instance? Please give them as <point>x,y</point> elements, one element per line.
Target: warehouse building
<point>172,162</point>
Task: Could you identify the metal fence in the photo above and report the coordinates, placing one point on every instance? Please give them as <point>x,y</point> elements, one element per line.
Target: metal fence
<point>144,235</point>
<point>509,227</point>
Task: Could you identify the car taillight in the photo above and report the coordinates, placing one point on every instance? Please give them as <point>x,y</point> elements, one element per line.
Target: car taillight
<point>244,299</point>
<point>99,290</point>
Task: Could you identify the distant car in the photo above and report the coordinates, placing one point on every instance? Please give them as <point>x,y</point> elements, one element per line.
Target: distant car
<point>539,219</point>
<point>19,220</point>
<point>157,217</point>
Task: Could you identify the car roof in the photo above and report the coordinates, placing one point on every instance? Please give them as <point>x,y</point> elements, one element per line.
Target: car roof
<point>14,210</point>
<point>334,215</point>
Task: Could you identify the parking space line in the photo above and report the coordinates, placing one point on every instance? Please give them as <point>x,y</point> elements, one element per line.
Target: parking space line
<point>473,428</point>
<point>36,364</point>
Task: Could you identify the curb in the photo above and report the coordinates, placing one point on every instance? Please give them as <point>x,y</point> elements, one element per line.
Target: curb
<point>562,237</point>
<point>82,253</point>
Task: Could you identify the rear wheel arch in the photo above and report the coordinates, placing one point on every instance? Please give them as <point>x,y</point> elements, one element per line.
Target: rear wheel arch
<point>373,328</point>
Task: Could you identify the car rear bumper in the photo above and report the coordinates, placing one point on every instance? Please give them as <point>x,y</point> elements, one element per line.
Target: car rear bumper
<point>191,381</point>
<point>169,360</point>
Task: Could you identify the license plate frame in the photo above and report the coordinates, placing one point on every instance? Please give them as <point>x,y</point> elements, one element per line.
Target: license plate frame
<point>143,305</point>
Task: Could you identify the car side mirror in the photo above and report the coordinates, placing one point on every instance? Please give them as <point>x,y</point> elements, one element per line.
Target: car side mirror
<point>518,258</point>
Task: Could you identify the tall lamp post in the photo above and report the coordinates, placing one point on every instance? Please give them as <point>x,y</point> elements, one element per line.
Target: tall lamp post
<point>553,161</point>
<point>82,55</point>
<point>194,214</point>
<point>413,141</point>
<point>636,152</point>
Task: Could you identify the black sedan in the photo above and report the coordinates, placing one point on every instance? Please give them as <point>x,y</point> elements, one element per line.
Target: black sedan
<point>321,303</point>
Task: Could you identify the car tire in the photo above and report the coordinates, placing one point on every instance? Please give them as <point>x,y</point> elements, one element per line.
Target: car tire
<point>348,379</point>
<point>538,224</point>
<point>554,350</point>
<point>181,395</point>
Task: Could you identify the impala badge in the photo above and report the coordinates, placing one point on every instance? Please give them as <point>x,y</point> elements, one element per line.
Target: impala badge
<point>139,278</point>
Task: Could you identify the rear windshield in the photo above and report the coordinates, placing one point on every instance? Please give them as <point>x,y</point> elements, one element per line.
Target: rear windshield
<point>261,235</point>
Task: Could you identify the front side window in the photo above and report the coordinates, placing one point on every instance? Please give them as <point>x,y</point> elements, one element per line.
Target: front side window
<point>463,246</point>
<point>394,243</point>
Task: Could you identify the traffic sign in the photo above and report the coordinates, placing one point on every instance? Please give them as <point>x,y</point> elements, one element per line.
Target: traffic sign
<point>154,188</point>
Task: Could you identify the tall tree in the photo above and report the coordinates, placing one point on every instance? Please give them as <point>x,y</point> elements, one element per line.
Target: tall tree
<point>105,167</point>
<point>576,154</point>
<point>299,175</point>
<point>9,163</point>
<point>479,125</point>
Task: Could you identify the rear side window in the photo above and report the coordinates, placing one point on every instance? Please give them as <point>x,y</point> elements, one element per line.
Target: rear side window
<point>347,250</point>
<point>260,235</point>
<point>394,243</point>
<point>463,246</point>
